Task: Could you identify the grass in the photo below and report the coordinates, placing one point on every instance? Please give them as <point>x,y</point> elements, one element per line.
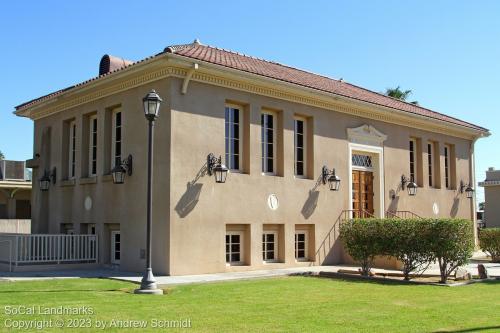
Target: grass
<point>291,304</point>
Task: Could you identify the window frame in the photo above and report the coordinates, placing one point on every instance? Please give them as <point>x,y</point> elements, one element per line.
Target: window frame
<point>240,137</point>
<point>414,163</point>
<point>264,156</point>
<point>275,246</point>
<point>304,146</point>
<point>447,166</point>
<point>93,144</point>
<point>306,245</point>
<point>430,164</point>
<point>113,137</point>
<point>72,149</point>
<point>242,248</point>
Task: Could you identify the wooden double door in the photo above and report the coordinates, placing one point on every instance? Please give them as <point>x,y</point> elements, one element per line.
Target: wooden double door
<point>362,193</point>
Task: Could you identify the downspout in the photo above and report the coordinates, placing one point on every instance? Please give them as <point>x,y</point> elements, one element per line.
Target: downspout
<point>472,177</point>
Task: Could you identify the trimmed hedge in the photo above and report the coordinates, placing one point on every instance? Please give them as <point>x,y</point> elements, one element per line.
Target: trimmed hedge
<point>415,242</point>
<point>489,241</point>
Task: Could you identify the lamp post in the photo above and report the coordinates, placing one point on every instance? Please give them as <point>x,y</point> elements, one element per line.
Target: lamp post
<point>151,107</point>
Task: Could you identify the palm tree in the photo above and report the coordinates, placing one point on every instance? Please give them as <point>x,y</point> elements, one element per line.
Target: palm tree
<point>399,94</point>
<point>2,156</point>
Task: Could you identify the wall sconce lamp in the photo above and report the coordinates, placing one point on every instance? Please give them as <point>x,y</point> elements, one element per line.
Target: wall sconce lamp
<point>330,177</point>
<point>122,168</point>
<point>410,185</point>
<point>469,191</point>
<point>47,178</point>
<point>215,167</point>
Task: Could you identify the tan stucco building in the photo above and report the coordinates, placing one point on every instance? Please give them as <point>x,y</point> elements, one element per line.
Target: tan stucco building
<point>491,186</point>
<point>275,128</point>
<point>15,191</point>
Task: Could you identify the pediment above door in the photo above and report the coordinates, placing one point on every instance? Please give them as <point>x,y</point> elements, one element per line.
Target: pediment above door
<point>366,135</point>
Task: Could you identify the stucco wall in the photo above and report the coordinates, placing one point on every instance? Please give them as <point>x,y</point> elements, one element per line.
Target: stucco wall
<point>492,209</point>
<point>201,208</point>
<point>191,211</point>
<point>112,205</point>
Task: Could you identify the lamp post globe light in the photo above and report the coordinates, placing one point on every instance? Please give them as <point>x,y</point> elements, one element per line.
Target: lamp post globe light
<point>151,107</point>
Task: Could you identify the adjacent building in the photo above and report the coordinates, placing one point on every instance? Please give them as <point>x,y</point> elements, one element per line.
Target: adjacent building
<point>276,128</point>
<point>491,216</point>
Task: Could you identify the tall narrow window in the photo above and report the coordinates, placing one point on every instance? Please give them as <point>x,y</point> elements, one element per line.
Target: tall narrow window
<point>233,132</point>
<point>300,147</point>
<point>301,245</point>
<point>269,246</point>
<point>268,142</point>
<point>93,145</point>
<point>234,247</point>
<point>447,166</point>
<point>430,162</point>
<point>72,150</point>
<point>413,160</point>
<point>116,149</point>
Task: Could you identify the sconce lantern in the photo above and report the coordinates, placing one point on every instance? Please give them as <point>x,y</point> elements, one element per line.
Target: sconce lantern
<point>410,185</point>
<point>215,167</point>
<point>46,179</point>
<point>122,168</point>
<point>469,191</point>
<point>330,177</point>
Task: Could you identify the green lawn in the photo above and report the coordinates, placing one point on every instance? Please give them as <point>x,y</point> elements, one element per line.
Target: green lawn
<point>292,304</point>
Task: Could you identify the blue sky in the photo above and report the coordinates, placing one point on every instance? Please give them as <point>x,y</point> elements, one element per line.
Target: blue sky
<point>447,52</point>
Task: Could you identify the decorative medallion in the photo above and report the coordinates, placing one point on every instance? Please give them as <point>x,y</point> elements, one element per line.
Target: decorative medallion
<point>272,201</point>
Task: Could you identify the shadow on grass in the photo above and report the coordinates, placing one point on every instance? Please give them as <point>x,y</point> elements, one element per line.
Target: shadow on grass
<point>475,329</point>
<point>61,291</point>
<point>385,281</point>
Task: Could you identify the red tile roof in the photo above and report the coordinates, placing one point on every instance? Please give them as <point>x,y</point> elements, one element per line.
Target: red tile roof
<point>306,79</point>
<point>283,73</point>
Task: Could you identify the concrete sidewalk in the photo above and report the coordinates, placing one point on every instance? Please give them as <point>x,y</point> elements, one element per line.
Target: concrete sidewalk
<point>493,269</point>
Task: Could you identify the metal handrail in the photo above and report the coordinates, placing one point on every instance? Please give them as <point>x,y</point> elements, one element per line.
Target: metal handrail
<point>356,213</point>
<point>403,214</point>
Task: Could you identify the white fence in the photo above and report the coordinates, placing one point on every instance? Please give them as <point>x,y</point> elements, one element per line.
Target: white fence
<point>16,249</point>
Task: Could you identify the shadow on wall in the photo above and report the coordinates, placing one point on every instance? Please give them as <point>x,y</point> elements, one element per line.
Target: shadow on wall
<point>331,244</point>
<point>191,196</point>
<point>393,206</point>
<point>454,207</point>
<point>312,200</point>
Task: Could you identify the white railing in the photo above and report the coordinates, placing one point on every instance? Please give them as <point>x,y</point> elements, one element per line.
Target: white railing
<point>51,249</point>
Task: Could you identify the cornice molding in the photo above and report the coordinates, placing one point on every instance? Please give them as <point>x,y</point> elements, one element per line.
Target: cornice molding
<point>248,83</point>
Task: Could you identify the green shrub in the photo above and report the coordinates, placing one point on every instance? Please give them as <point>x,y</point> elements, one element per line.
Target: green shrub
<point>409,241</point>
<point>415,242</point>
<point>451,244</point>
<point>361,239</point>
<point>489,241</point>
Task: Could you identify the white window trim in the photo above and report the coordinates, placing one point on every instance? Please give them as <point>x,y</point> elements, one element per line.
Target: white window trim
<point>113,136</point>
<point>430,164</point>
<point>275,246</point>
<point>275,136</point>
<point>242,247</point>
<point>306,245</point>
<point>113,242</point>
<point>92,144</point>
<point>304,148</point>
<point>240,139</point>
<point>415,162</point>
<point>71,151</point>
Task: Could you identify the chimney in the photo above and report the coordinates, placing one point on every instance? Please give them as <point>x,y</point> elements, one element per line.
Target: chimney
<point>111,63</point>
